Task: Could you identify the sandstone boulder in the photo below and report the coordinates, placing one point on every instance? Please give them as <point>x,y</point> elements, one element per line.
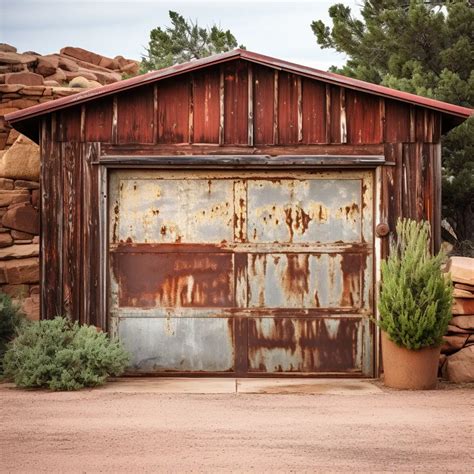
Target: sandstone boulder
<point>458,293</point>
<point>459,367</point>
<point>18,235</point>
<point>21,160</point>
<point>89,75</point>
<point>24,218</point>
<point>7,48</point>
<point>31,307</point>
<point>25,78</point>
<point>16,291</point>
<point>6,183</point>
<point>79,82</point>
<point>15,58</point>
<point>23,184</point>
<point>463,322</point>
<point>10,88</point>
<point>52,83</point>
<point>47,65</point>
<point>25,270</point>
<point>14,196</point>
<point>67,64</point>
<point>82,54</point>
<point>453,343</point>
<point>5,240</point>
<point>463,306</point>
<point>107,77</point>
<point>465,287</point>
<point>462,270</point>
<point>19,251</point>
<point>59,76</point>
<point>131,68</point>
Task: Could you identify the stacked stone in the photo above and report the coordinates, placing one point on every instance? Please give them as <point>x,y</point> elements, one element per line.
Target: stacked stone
<point>73,67</point>
<point>25,80</point>
<point>458,349</point>
<point>19,224</point>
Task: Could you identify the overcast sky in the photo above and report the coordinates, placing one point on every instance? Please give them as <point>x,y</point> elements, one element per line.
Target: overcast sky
<point>110,27</point>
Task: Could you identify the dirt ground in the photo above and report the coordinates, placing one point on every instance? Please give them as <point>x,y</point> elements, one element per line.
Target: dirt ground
<point>135,430</point>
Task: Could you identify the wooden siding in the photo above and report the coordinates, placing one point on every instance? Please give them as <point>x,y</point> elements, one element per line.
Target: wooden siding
<point>235,108</point>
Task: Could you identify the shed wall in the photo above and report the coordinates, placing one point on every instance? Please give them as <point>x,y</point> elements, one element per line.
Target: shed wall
<point>236,108</point>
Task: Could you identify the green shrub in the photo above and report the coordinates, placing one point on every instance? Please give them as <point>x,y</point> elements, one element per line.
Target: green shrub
<point>61,355</point>
<point>10,319</point>
<point>415,297</point>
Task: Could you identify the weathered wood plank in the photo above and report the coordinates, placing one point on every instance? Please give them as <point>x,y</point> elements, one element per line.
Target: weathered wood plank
<point>135,115</point>
<point>264,109</point>
<point>206,102</point>
<point>236,103</point>
<point>197,149</point>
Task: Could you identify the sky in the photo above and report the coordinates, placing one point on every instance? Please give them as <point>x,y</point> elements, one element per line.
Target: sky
<point>110,27</point>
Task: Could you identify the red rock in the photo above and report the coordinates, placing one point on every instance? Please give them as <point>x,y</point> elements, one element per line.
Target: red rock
<point>463,286</point>
<point>82,54</point>
<point>59,76</point>
<point>132,68</point>
<point>22,184</point>
<point>10,88</point>
<point>23,218</point>
<point>463,322</point>
<point>6,183</point>
<point>81,73</point>
<point>5,240</point>
<point>34,90</point>
<point>458,293</point>
<point>463,306</point>
<point>21,160</point>
<point>106,62</point>
<point>19,251</point>
<point>25,270</point>
<point>47,65</point>
<point>51,83</point>
<point>31,307</point>
<point>453,343</point>
<point>35,198</point>
<point>459,367</point>
<point>461,269</point>
<point>107,77</point>
<point>15,58</point>
<point>18,235</point>
<point>67,64</point>
<point>7,48</point>
<point>25,78</point>
<point>16,291</point>
<point>8,197</point>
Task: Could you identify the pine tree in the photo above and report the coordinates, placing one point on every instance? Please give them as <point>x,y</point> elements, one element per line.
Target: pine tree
<point>184,41</point>
<point>415,298</point>
<point>423,47</point>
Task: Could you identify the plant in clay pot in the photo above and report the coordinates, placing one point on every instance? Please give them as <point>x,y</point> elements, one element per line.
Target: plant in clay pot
<point>414,308</point>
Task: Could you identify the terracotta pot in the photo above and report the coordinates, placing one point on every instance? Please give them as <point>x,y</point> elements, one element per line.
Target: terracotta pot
<point>409,369</point>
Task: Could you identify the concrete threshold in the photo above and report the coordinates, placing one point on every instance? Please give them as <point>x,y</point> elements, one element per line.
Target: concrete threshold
<point>190,385</point>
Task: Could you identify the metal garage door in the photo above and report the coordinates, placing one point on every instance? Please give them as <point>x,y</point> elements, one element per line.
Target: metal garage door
<point>242,272</point>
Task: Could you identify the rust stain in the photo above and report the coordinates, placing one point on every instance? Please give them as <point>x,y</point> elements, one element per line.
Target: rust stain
<point>296,276</point>
<point>152,279</point>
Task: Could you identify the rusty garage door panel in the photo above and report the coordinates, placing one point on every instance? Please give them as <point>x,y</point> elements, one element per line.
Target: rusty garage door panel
<point>242,272</point>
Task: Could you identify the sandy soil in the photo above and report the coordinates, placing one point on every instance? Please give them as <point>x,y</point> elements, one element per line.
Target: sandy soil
<point>104,431</point>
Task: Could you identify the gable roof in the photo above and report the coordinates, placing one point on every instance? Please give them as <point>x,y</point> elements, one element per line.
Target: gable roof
<point>455,112</point>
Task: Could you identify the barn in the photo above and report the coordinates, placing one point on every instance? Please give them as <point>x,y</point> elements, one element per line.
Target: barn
<point>228,216</point>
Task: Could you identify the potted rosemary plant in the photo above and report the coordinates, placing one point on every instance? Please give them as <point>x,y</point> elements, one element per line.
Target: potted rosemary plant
<point>414,307</point>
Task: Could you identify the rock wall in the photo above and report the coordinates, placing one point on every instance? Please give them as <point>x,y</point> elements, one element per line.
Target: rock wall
<point>29,79</point>
<point>457,358</point>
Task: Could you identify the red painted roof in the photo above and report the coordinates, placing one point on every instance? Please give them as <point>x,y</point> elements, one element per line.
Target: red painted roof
<point>91,94</point>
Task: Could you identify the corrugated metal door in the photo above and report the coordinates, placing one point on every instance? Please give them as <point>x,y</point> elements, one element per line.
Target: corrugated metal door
<point>243,272</point>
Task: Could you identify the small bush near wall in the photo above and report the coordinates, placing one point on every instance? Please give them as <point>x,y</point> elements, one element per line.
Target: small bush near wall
<point>11,318</point>
<point>60,355</point>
